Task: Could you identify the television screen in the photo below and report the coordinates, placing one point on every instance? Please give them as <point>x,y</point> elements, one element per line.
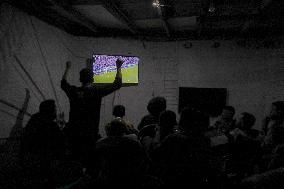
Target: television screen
<point>208,100</point>
<point>104,68</point>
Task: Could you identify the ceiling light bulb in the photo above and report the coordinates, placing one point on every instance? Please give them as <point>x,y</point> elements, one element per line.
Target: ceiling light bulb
<point>212,7</point>
<point>156,3</point>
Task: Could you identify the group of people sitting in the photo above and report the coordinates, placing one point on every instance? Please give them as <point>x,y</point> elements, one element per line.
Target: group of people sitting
<point>159,152</point>
<point>163,152</point>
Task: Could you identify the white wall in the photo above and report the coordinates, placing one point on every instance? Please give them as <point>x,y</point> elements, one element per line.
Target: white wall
<point>18,38</point>
<point>254,77</point>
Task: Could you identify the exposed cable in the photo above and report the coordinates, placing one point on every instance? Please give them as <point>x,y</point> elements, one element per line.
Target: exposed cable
<point>68,49</point>
<point>45,64</point>
<point>29,76</point>
<point>13,106</point>
<point>118,97</point>
<point>8,113</point>
<point>113,99</point>
<point>23,78</point>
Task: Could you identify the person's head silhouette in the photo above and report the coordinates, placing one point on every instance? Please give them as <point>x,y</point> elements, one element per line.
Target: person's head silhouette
<point>117,127</point>
<point>193,121</point>
<point>118,111</point>
<point>245,121</point>
<point>47,108</point>
<point>86,76</point>
<point>277,110</point>
<point>157,105</point>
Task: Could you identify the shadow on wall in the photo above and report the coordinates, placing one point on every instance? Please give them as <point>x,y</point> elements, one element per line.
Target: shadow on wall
<point>12,143</point>
<point>10,147</point>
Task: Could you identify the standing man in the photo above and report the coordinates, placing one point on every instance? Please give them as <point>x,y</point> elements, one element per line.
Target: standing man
<point>85,104</point>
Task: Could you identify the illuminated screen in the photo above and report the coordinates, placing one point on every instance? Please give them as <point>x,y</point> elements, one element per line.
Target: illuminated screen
<point>104,68</point>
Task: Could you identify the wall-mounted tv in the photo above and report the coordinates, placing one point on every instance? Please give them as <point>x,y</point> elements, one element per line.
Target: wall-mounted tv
<point>104,68</point>
<point>208,100</point>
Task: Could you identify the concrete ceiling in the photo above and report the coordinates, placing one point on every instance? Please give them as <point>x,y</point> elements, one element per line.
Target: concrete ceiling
<point>100,16</point>
<point>173,20</point>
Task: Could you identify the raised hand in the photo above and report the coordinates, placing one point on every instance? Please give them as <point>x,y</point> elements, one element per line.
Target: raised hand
<point>28,96</point>
<point>89,61</point>
<point>68,64</point>
<point>119,63</point>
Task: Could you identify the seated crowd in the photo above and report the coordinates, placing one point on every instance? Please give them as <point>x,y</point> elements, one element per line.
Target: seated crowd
<point>161,152</point>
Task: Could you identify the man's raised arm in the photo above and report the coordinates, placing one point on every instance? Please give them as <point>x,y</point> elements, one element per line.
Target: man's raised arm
<point>66,72</point>
<point>64,84</point>
<point>118,77</point>
<point>109,88</point>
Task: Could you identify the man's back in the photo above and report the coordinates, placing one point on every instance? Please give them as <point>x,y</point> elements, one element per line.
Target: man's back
<point>82,129</point>
<point>85,101</point>
<point>85,104</point>
<point>184,160</point>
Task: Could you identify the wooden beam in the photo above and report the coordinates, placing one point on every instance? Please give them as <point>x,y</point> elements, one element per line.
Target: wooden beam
<point>85,2</point>
<point>162,14</point>
<point>265,3</point>
<point>252,22</point>
<point>164,21</point>
<point>118,13</point>
<point>73,15</point>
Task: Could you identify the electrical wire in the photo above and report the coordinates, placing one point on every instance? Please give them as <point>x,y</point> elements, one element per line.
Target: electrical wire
<point>29,76</point>
<point>25,81</point>
<point>45,64</point>
<point>113,99</point>
<point>13,106</point>
<point>68,49</point>
<point>8,113</point>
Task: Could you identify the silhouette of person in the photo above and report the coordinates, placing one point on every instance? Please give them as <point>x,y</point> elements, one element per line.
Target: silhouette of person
<point>151,136</point>
<point>13,144</point>
<point>42,135</point>
<point>245,145</point>
<point>225,123</point>
<point>119,111</point>
<point>167,124</point>
<point>273,125</point>
<point>42,144</point>
<point>117,127</point>
<point>183,157</point>
<point>155,106</point>
<point>122,161</point>
<point>244,125</point>
<point>85,104</point>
